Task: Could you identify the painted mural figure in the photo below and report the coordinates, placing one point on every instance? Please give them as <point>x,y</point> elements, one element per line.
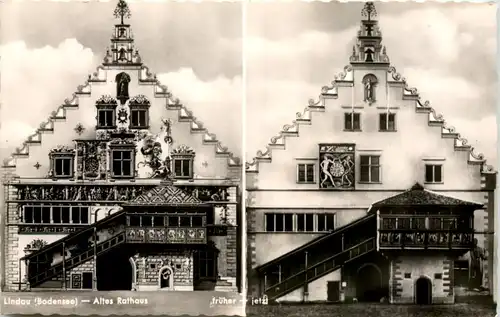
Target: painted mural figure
<point>348,166</point>
<point>325,164</point>
<point>477,256</point>
<point>152,151</point>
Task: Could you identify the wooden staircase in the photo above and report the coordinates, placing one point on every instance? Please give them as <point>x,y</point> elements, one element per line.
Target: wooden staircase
<point>318,257</point>
<point>40,266</point>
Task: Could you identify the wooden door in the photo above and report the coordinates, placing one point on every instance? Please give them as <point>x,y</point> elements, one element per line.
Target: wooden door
<point>333,288</point>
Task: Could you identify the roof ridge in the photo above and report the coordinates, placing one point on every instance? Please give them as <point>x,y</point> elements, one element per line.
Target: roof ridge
<point>330,92</point>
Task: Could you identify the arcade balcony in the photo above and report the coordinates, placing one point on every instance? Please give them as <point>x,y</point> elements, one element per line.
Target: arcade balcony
<point>419,219</point>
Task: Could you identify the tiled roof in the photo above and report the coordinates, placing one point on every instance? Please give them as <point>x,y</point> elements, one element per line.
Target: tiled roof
<point>419,196</point>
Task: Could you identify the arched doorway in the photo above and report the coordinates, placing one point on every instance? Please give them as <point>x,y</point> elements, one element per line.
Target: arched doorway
<point>166,278</point>
<point>114,272</point>
<point>369,283</point>
<point>423,291</point>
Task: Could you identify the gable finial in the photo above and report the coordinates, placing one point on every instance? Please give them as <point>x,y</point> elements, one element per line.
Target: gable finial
<point>369,10</point>
<point>122,10</point>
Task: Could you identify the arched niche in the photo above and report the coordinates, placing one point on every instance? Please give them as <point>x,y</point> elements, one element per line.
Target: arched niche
<point>370,83</point>
<point>122,82</point>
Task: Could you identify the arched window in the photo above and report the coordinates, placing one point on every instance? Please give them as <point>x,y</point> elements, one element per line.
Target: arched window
<point>370,83</point>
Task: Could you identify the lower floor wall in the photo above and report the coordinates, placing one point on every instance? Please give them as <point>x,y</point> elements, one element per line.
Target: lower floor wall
<point>421,279</point>
<point>401,279</point>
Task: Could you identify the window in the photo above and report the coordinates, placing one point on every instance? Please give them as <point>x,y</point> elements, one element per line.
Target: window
<point>105,118</point>
<point>303,222</point>
<point>461,273</point>
<point>279,222</point>
<point>54,214</point>
<point>183,168</point>
<point>63,167</point>
<point>138,118</point>
<point>369,169</point>
<point>438,276</point>
<point>122,163</point>
<point>305,173</point>
<point>205,265</point>
<point>139,108</point>
<point>433,173</point>
<point>407,275</point>
<point>352,121</point>
<point>387,122</point>
<point>326,222</point>
<point>81,280</point>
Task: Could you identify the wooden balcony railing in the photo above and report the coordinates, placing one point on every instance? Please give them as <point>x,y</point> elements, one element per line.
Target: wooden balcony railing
<point>391,239</point>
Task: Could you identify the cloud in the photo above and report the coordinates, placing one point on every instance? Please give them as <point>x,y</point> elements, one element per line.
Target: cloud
<point>216,103</point>
<point>35,81</point>
<point>446,53</point>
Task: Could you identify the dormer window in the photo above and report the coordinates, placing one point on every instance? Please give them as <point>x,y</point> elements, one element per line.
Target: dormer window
<point>62,162</point>
<point>182,162</point>
<point>139,112</point>
<point>106,112</point>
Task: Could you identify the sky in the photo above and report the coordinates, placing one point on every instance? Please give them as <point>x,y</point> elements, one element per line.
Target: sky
<point>446,51</point>
<point>48,48</point>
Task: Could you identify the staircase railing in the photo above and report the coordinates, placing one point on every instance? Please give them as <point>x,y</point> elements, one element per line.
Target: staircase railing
<point>322,238</point>
<point>78,259</point>
<point>320,269</point>
<point>58,243</point>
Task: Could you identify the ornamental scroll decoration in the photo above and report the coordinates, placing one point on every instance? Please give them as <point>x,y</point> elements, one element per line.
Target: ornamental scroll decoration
<point>91,159</point>
<point>337,166</point>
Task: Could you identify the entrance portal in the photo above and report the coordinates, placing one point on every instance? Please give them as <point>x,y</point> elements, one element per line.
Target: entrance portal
<point>369,283</point>
<point>423,291</point>
<point>114,272</point>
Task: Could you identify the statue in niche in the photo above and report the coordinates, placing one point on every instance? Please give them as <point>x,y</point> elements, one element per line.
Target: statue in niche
<point>369,56</point>
<point>122,82</point>
<point>369,81</point>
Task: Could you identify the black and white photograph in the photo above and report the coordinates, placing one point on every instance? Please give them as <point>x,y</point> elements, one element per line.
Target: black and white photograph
<point>370,158</point>
<point>122,158</point>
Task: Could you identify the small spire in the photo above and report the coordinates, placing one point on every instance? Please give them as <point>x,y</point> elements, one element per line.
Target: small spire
<point>122,11</point>
<point>369,10</point>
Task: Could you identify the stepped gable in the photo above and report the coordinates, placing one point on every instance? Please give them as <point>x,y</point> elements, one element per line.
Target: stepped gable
<point>165,194</point>
<point>417,195</point>
<point>129,59</point>
<point>378,59</point>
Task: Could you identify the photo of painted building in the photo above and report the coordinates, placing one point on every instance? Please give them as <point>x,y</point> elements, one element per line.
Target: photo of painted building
<point>122,188</point>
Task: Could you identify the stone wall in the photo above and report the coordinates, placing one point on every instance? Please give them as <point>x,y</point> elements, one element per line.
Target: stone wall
<point>10,241</point>
<point>406,270</point>
<point>148,269</point>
